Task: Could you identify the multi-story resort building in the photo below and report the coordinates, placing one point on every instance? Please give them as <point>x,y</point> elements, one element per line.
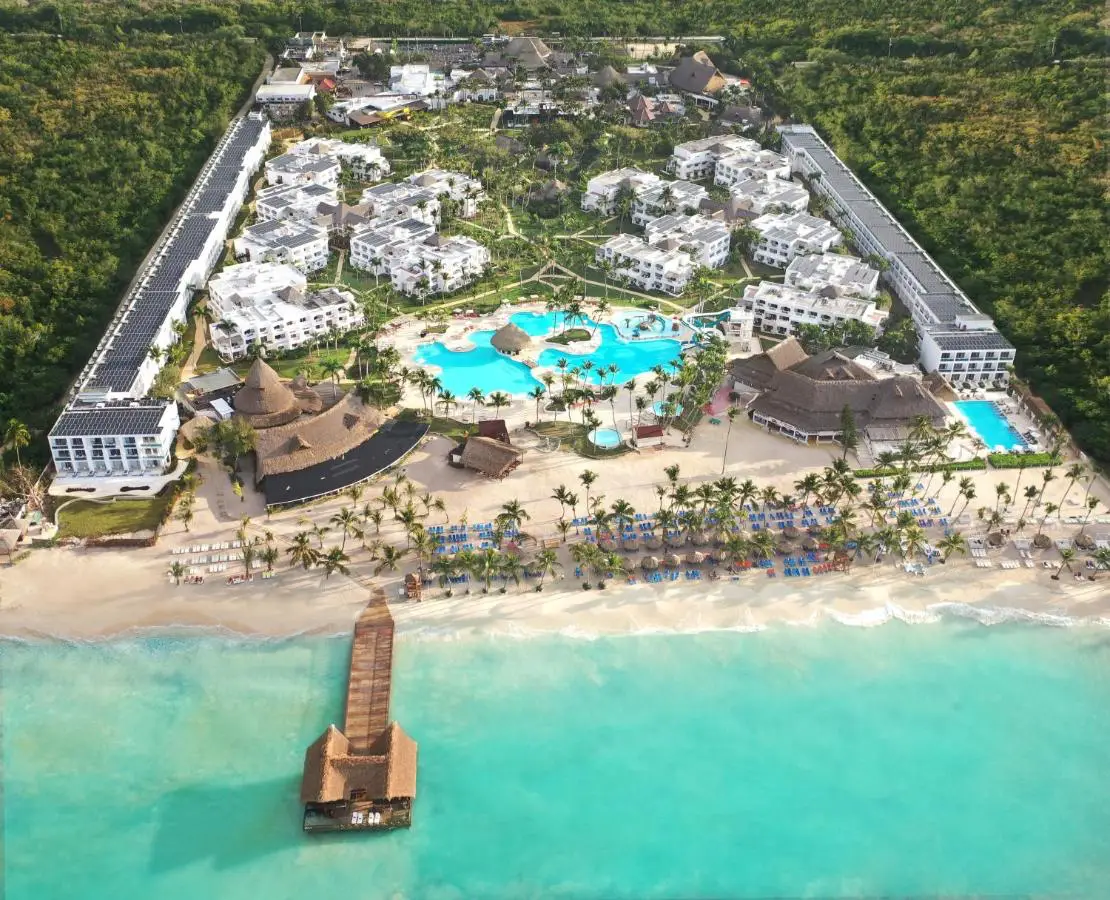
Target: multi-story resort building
<point>269,304</point>
<point>761,195</point>
<point>957,340</point>
<point>706,240</point>
<point>697,160</point>
<point>109,409</point>
<point>784,236</point>
<point>401,201</point>
<point>779,308</point>
<point>439,265</point>
<point>602,190</point>
<point>645,266</point>
<point>845,275</point>
<point>299,202</point>
<point>750,162</point>
<point>464,190</point>
<point>364,161</point>
<point>303,245</point>
<point>383,242</point>
<point>303,168</point>
<point>663,197</point>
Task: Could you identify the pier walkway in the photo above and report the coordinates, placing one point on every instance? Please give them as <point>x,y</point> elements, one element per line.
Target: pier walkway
<point>370,681</point>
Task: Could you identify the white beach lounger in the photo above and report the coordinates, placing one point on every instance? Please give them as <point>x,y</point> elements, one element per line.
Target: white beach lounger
<point>1029,564</point>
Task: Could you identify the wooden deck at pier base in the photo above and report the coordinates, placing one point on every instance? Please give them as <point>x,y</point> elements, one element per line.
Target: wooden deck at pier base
<point>370,682</point>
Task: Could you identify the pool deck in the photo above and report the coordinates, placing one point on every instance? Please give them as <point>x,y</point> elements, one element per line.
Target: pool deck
<point>1020,424</point>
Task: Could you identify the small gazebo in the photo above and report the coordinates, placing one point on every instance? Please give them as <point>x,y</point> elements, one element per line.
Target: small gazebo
<point>510,339</point>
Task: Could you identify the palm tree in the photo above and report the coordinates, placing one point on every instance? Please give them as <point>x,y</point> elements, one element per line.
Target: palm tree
<point>1031,494</point>
<point>1067,554</point>
<point>444,568</point>
<point>511,567</point>
<point>584,555</point>
<point>953,542</point>
<point>249,553</point>
<point>587,478</point>
<point>318,532</point>
<point>301,552</point>
<point>178,571</point>
<point>346,520</point>
<point>563,526</point>
<point>498,399</point>
<point>17,436</point>
<point>486,565</point>
<point>332,368</point>
<point>1092,505</point>
<point>333,561</point>
<point>447,400</point>
<point>614,565</point>
<point>560,495</point>
<point>736,547</point>
<point>623,513</point>
<point>537,393</point>
<point>389,558</point>
<point>185,513</point>
<point>1000,490</point>
<point>546,563</point>
<point>476,396</point>
<point>269,555</point>
<point>1049,509</point>
<point>763,544</point>
<point>1073,474</point>
<point>512,513</point>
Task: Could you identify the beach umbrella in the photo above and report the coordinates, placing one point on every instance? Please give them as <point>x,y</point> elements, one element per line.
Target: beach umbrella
<point>1083,542</point>
<point>607,544</point>
<point>809,544</point>
<point>632,543</point>
<point>713,555</point>
<point>700,538</point>
<point>673,560</point>
<point>695,558</point>
<point>651,542</point>
<point>649,562</point>
<point>721,538</point>
<point>676,539</point>
<point>791,533</point>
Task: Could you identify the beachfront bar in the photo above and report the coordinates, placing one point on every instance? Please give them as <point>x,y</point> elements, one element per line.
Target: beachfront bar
<point>364,777</point>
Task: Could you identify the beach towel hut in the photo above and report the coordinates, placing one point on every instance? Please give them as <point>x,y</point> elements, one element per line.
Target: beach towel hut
<point>510,339</point>
<point>695,558</point>
<point>672,560</point>
<point>651,542</point>
<point>413,586</point>
<point>649,563</point>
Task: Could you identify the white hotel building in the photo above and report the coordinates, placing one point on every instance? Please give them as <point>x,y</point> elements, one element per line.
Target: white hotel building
<point>438,265</point>
<point>778,308</point>
<point>122,438</point>
<point>957,340</point>
<point>602,190</point>
<point>465,191</point>
<point>761,195</point>
<point>664,197</point>
<point>298,202</point>
<point>697,160</point>
<point>303,168</point>
<point>706,240</point>
<point>402,201</point>
<point>383,242</point>
<point>784,236</point>
<point>303,245</point>
<point>269,303</point>
<point>845,275</point>
<point>364,161</point>
<point>647,267</point>
<point>746,163</point>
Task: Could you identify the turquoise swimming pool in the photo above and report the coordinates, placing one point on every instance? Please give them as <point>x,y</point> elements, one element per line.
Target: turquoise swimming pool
<point>993,428</point>
<point>605,438</point>
<point>486,369</point>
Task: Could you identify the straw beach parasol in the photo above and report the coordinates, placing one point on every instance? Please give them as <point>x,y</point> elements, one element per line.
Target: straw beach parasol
<point>651,542</point>
<point>676,539</point>
<point>650,563</point>
<point>695,558</point>
<point>510,339</point>
<point>607,544</point>
<point>673,560</point>
<point>700,538</point>
<point>791,533</point>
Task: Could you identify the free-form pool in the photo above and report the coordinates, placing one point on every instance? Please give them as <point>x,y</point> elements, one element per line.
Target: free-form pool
<point>993,428</point>
<point>605,438</point>
<point>486,369</point>
<point>657,408</point>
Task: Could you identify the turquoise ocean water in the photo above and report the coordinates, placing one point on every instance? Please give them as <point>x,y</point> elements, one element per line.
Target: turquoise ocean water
<point>902,760</point>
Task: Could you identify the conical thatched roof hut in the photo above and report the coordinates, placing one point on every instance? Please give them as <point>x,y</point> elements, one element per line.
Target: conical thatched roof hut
<point>264,400</point>
<point>510,339</point>
<point>673,560</point>
<point>649,563</point>
<point>607,77</point>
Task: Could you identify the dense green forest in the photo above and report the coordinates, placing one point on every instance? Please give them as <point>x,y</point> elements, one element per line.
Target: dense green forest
<point>981,123</point>
<point>98,143</point>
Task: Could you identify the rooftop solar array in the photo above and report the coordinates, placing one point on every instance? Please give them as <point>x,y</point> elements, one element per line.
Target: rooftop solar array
<point>126,346</point>
<point>109,420</point>
<point>971,340</point>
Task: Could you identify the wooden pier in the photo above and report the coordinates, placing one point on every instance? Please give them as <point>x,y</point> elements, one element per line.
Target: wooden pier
<point>364,777</point>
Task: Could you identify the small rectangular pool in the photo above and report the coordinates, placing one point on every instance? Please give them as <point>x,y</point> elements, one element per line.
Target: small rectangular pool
<point>992,427</point>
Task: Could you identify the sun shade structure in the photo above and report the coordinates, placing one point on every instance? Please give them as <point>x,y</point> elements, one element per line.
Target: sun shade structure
<point>264,400</point>
<point>490,457</point>
<point>510,339</point>
<point>697,74</point>
<point>304,443</point>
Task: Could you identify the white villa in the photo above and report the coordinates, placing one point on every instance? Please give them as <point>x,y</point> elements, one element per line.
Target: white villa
<point>300,244</point>
<point>760,195</point>
<point>458,186</point>
<point>416,78</point>
<point>269,303</point>
<point>706,240</point>
<point>303,168</point>
<point>645,266</point>
<point>439,265</point>
<point>784,236</point>
<point>779,308</point>
<point>383,242</point>
<point>663,197</point>
<point>402,201</point>
<point>122,438</point>
<point>957,340</point>
<point>697,160</point>
<point>750,162</point>
<point>364,161</point>
<point>845,275</point>
<point>293,201</point>
<point>602,190</point>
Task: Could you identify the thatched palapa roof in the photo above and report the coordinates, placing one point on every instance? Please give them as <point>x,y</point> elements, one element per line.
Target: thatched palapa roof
<point>697,74</point>
<point>298,445</point>
<point>332,771</point>
<point>510,339</point>
<point>264,400</point>
<point>490,457</point>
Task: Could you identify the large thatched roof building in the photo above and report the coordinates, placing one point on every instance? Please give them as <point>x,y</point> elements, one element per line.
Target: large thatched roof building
<point>264,400</point>
<point>333,772</point>
<point>489,456</point>
<point>697,74</point>
<point>510,339</point>
<point>306,442</point>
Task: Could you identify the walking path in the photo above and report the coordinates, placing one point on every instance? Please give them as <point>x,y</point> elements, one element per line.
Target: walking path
<point>339,265</point>
<point>200,341</point>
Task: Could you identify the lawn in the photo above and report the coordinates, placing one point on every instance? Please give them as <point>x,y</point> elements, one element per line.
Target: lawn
<point>570,336</point>
<point>86,519</point>
<point>573,437</point>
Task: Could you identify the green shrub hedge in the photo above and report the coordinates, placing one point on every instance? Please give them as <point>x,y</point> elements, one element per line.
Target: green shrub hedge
<point>970,465</point>
<point>1020,460</point>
